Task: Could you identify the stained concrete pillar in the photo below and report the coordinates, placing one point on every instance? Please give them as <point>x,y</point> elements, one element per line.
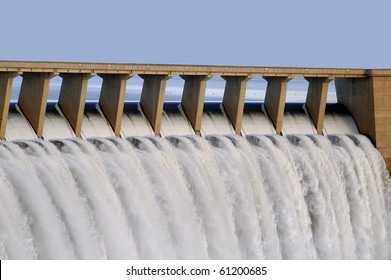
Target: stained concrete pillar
<point>6,79</point>
<point>316,100</point>
<point>369,102</point>
<point>233,100</point>
<point>73,97</point>
<point>112,99</point>
<point>193,99</point>
<point>381,87</point>
<point>33,98</point>
<point>152,99</point>
<point>275,99</point>
<point>357,96</point>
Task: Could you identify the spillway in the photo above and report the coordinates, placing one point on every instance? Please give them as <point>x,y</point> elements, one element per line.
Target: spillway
<point>219,197</point>
<point>149,175</point>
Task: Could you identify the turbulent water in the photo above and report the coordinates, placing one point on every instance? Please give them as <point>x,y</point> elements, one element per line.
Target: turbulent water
<point>260,197</point>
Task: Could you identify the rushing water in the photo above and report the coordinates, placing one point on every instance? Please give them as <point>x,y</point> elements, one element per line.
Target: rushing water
<point>223,197</point>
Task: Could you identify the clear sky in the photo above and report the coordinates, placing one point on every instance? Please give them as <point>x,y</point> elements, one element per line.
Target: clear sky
<point>308,33</point>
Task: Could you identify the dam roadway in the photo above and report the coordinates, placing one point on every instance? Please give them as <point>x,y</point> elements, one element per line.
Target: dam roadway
<point>366,93</point>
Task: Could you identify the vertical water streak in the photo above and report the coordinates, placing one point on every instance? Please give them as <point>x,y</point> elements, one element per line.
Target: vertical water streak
<point>335,188</point>
<point>238,189</point>
<point>325,199</point>
<point>373,222</point>
<point>60,184</point>
<point>50,236</point>
<point>352,161</point>
<point>290,172</point>
<point>209,197</point>
<point>271,243</point>
<point>171,192</point>
<point>272,163</point>
<point>134,191</point>
<point>3,252</point>
<point>15,235</point>
<point>382,188</point>
<point>91,177</point>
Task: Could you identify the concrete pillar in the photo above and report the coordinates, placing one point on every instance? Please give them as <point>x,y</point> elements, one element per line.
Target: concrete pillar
<point>33,97</point>
<point>112,99</point>
<point>369,102</point>
<point>152,99</point>
<point>6,79</point>
<point>193,99</point>
<point>381,87</point>
<point>357,97</point>
<point>73,97</point>
<point>275,99</point>
<point>233,101</point>
<point>316,100</point>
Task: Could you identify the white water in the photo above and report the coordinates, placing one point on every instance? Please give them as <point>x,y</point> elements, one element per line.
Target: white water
<point>260,197</point>
<point>216,122</point>
<point>339,123</point>
<point>257,122</point>
<point>135,123</point>
<point>297,122</point>
<point>95,124</point>
<point>56,125</point>
<point>175,122</point>
<point>18,126</point>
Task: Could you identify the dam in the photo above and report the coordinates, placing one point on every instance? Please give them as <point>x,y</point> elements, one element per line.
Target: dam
<point>364,92</point>
<point>194,179</point>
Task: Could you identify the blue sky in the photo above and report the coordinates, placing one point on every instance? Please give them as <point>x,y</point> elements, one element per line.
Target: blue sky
<point>334,33</point>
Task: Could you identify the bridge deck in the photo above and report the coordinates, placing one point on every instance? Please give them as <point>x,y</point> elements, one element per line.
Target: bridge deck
<point>116,68</point>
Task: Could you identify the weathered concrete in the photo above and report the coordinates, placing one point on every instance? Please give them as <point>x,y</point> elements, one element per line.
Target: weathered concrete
<point>193,99</point>
<point>6,79</point>
<point>275,99</point>
<point>152,99</point>
<point>356,96</point>
<point>112,99</point>
<point>369,102</point>
<point>316,100</point>
<point>381,88</point>
<point>72,99</point>
<point>233,100</point>
<point>33,98</point>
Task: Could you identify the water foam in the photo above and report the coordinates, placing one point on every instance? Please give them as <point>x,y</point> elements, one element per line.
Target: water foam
<point>219,197</point>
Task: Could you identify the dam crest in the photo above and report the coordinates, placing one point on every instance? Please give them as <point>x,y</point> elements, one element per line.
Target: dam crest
<point>365,93</point>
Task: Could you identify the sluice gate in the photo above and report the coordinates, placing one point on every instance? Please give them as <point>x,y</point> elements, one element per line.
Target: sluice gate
<point>365,93</point>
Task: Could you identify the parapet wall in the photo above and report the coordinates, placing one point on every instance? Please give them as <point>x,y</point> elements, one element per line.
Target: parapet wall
<point>365,93</point>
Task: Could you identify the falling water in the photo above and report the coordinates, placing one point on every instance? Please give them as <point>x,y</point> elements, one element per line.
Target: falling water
<point>219,197</point>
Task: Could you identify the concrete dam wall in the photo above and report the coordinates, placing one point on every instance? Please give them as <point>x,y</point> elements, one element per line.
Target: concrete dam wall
<point>131,174</point>
<point>365,93</point>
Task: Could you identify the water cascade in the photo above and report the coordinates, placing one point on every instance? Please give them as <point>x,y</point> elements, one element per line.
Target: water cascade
<point>188,197</point>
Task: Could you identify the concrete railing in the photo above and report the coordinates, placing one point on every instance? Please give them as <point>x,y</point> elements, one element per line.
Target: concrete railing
<point>365,92</point>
